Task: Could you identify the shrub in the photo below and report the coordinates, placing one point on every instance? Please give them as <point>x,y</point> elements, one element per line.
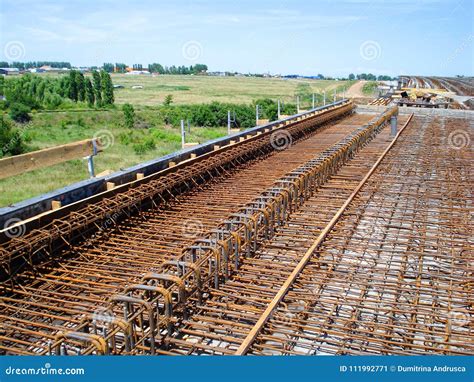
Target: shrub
<point>142,147</point>
<point>11,141</point>
<point>168,100</point>
<point>19,112</point>
<point>52,101</point>
<point>129,115</point>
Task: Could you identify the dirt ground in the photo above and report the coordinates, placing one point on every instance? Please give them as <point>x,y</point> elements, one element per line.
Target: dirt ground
<point>355,91</point>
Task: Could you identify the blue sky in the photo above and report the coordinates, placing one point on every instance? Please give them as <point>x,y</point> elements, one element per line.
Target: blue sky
<point>431,37</point>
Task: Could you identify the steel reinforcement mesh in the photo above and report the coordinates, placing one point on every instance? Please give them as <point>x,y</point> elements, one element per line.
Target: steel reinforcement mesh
<point>395,275</point>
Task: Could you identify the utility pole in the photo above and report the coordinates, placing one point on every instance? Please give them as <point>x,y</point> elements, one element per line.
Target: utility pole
<point>279,109</point>
<point>183,134</point>
<point>297,104</point>
<point>256,115</point>
<point>324,97</point>
<point>228,122</point>
<point>313,100</point>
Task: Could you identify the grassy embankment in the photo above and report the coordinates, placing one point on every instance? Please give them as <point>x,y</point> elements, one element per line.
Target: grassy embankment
<point>369,88</point>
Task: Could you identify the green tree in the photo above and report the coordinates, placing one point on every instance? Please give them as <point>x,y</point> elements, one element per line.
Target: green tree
<point>63,88</point>
<point>107,88</point>
<point>129,115</point>
<point>168,100</point>
<point>108,67</point>
<point>156,68</point>
<point>90,97</point>
<point>73,90</point>
<point>120,67</point>
<point>97,88</point>
<point>352,76</point>
<point>81,87</point>
<point>199,68</point>
<point>40,90</point>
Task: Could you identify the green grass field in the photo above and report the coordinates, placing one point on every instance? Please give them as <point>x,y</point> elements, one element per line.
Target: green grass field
<point>204,89</point>
<point>49,129</point>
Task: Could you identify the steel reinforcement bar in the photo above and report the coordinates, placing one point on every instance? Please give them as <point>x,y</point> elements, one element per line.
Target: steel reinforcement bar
<point>221,323</point>
<point>392,273</point>
<point>39,245</point>
<point>56,295</point>
<point>140,319</point>
<point>247,343</point>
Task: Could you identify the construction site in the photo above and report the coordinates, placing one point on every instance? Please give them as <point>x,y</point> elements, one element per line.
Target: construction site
<point>342,230</point>
<point>429,92</point>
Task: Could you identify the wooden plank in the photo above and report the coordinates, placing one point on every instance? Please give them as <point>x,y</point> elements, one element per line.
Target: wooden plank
<point>55,204</point>
<point>19,164</point>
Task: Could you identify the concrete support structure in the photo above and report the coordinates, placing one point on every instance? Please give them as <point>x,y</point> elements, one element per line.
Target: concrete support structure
<point>393,125</point>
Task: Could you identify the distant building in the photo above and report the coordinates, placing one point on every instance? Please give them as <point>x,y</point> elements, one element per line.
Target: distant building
<point>49,69</point>
<point>138,72</point>
<point>9,71</point>
<point>217,74</point>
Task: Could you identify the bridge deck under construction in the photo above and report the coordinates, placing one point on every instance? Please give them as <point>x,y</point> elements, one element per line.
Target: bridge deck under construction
<point>325,235</point>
